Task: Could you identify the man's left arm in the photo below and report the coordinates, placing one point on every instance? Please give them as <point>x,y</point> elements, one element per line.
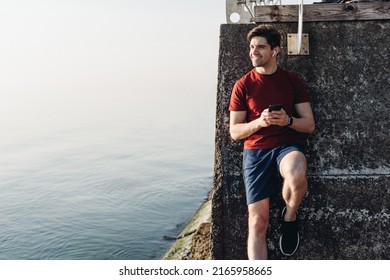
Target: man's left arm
<point>305,123</point>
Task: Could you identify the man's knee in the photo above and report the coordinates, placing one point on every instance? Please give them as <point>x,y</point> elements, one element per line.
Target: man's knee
<point>294,167</point>
<point>258,223</point>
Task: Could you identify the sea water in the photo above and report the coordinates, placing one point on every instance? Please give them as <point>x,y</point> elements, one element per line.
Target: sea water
<point>91,185</point>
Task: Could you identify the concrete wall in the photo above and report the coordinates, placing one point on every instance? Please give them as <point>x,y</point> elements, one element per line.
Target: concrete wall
<point>345,214</point>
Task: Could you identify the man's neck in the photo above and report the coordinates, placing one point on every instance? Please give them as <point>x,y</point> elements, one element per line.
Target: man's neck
<point>267,70</point>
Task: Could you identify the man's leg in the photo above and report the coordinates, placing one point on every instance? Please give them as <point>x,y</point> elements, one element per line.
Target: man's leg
<point>293,168</point>
<point>258,224</point>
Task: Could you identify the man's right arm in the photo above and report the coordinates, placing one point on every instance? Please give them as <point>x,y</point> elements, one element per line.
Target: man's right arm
<point>239,129</point>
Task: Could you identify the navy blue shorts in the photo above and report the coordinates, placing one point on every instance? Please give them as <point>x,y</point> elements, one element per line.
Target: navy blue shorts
<point>260,170</point>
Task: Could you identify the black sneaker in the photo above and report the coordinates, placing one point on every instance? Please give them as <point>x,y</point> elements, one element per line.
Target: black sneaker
<point>289,240</point>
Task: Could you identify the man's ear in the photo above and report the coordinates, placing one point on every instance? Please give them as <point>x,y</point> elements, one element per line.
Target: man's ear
<point>276,51</point>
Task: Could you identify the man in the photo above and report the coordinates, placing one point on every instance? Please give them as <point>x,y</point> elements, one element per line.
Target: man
<point>273,141</point>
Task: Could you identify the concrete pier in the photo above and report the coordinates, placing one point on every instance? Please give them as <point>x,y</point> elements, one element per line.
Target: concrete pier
<point>346,212</point>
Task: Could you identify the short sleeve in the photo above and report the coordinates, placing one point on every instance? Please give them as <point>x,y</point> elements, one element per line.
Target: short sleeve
<point>301,93</point>
<point>238,98</point>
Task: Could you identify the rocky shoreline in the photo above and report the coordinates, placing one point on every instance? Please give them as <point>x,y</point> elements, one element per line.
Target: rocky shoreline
<point>194,242</point>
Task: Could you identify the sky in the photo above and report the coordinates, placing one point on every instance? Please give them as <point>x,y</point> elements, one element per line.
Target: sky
<point>63,56</point>
<point>89,59</point>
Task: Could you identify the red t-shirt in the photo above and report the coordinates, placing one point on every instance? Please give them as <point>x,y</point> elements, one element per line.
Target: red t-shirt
<point>254,92</point>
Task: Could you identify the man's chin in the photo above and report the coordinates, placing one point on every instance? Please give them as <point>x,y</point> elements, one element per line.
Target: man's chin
<point>256,63</point>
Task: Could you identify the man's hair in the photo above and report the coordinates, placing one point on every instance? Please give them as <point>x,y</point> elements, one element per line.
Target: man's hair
<point>267,31</point>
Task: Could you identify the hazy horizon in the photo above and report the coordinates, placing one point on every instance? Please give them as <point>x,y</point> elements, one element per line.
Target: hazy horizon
<point>95,59</point>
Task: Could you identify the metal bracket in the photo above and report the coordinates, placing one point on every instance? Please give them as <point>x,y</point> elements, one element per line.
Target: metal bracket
<point>242,11</point>
<point>236,12</point>
<point>298,44</point>
<point>292,44</point>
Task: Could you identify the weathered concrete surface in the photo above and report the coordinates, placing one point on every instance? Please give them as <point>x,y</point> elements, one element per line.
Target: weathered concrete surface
<point>193,243</point>
<point>345,214</point>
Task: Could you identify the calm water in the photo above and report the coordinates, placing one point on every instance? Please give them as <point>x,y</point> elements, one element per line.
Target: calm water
<point>105,187</point>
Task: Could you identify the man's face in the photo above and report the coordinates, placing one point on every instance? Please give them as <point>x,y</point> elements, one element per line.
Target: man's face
<point>260,51</point>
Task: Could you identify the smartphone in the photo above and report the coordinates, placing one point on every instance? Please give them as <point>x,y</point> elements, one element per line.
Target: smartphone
<point>274,107</point>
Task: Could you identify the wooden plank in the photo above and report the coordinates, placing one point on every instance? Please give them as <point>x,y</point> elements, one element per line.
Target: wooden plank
<point>323,12</point>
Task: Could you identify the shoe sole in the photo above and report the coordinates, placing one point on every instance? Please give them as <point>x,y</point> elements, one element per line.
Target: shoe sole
<point>286,254</point>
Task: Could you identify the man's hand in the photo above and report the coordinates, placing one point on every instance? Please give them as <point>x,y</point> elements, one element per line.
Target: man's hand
<point>279,118</point>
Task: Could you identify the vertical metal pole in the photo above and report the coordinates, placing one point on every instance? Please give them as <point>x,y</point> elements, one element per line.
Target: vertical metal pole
<point>300,23</point>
